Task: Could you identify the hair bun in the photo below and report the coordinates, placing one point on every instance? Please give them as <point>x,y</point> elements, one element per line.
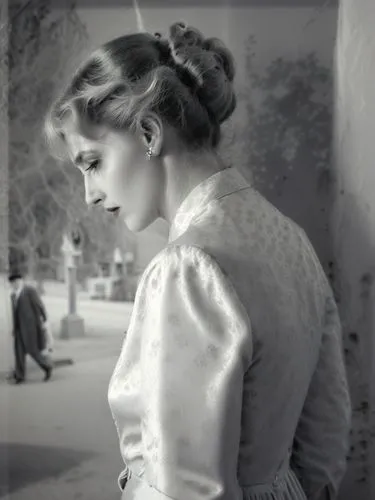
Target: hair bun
<point>180,35</point>
<point>206,66</point>
<point>223,55</point>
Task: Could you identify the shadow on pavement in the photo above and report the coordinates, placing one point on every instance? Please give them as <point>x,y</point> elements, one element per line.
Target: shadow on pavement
<point>21,465</point>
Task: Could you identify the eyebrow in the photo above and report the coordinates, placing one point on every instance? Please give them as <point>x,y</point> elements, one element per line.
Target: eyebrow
<point>83,155</point>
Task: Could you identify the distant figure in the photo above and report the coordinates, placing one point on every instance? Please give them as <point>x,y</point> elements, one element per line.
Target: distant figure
<point>29,317</point>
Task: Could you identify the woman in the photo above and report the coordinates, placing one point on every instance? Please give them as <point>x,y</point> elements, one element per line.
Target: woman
<point>231,382</point>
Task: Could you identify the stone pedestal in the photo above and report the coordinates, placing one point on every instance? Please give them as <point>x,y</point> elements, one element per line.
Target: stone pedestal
<point>72,326</point>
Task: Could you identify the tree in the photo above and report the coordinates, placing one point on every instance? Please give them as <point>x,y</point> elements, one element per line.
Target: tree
<point>42,41</point>
<point>45,196</point>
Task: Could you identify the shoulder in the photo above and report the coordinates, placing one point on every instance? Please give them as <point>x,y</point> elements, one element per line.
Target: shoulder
<point>184,269</point>
<point>30,290</point>
<point>190,266</point>
<point>179,258</point>
<point>187,279</point>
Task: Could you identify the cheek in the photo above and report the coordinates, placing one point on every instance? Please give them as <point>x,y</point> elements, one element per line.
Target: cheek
<point>139,183</point>
<point>142,201</point>
<point>134,181</point>
<point>120,175</point>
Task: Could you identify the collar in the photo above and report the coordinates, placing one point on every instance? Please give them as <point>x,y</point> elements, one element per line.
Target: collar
<point>218,185</point>
<point>18,292</point>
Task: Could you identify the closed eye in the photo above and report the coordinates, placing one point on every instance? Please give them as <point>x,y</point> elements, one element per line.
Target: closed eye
<point>94,165</point>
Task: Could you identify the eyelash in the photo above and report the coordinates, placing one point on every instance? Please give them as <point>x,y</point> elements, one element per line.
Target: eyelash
<point>94,165</point>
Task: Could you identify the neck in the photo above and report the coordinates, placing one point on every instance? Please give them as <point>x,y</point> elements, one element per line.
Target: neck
<point>182,175</point>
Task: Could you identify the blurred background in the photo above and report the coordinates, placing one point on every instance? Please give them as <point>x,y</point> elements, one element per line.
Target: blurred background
<point>301,134</point>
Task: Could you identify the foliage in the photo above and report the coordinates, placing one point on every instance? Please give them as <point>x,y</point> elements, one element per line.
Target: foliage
<point>40,39</point>
<point>290,114</point>
<point>45,196</point>
<point>290,138</point>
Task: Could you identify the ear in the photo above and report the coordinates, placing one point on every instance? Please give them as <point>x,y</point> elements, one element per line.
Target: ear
<point>152,133</point>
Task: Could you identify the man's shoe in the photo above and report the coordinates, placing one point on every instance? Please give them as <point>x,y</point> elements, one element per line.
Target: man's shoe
<point>48,374</point>
<point>17,380</point>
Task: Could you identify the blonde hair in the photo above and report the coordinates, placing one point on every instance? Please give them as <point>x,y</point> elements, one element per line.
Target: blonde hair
<point>185,79</point>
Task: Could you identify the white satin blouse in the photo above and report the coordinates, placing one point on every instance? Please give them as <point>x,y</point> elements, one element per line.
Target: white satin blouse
<point>231,384</point>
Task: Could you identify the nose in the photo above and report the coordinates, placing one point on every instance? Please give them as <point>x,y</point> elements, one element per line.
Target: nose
<point>93,196</point>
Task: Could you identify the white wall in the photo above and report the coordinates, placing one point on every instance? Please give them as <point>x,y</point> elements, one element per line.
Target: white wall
<point>287,31</point>
<point>354,227</point>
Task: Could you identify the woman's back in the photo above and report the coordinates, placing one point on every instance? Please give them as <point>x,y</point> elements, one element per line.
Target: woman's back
<point>296,367</point>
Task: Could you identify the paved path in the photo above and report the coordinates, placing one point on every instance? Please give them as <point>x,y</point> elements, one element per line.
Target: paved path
<point>105,323</point>
<point>57,439</point>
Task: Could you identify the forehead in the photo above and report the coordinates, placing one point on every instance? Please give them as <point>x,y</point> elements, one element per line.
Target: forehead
<point>79,139</point>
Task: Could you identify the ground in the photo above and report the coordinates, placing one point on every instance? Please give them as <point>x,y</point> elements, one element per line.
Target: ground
<point>58,439</point>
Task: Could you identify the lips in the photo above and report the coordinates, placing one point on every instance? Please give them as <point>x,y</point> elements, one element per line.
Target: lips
<point>114,210</point>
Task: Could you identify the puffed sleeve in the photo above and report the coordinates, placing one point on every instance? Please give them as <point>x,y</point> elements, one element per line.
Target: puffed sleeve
<point>195,347</point>
<point>322,436</point>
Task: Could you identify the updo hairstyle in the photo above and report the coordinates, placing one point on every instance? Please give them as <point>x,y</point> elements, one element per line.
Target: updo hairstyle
<point>183,78</point>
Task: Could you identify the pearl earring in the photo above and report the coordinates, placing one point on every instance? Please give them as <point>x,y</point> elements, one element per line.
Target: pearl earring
<point>149,153</point>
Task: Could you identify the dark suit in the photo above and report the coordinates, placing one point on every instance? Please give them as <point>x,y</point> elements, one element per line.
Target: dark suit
<point>29,338</point>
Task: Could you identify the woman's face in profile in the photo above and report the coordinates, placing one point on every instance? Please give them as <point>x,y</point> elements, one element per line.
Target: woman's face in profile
<point>117,174</point>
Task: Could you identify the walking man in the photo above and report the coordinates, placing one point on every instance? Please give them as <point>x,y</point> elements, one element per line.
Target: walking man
<point>29,316</point>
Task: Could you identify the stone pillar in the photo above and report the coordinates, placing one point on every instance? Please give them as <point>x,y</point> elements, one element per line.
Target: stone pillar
<point>72,280</point>
<point>72,325</point>
<point>353,229</point>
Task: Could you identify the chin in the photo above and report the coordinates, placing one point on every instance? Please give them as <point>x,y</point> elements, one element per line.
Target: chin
<point>137,224</point>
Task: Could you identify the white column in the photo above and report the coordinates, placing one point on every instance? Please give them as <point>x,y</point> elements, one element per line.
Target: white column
<point>72,325</point>
<point>354,228</point>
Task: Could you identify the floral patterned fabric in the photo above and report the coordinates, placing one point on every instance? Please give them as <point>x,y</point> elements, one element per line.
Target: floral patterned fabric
<point>231,383</point>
